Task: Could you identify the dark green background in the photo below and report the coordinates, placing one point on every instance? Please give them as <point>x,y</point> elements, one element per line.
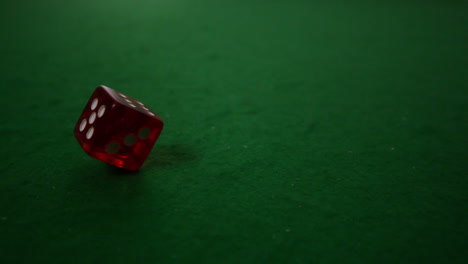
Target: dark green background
<point>296,131</point>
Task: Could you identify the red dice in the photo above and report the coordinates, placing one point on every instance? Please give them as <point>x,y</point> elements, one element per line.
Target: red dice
<point>117,129</point>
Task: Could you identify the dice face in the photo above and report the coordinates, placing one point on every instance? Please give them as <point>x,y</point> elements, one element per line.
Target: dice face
<point>117,129</point>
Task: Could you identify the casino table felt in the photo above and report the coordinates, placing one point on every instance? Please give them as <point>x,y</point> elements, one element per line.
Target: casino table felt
<point>295,131</point>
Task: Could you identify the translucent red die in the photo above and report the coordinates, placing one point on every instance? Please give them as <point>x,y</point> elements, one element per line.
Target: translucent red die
<point>117,129</point>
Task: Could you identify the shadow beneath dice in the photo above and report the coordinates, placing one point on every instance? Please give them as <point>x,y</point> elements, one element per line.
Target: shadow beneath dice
<point>169,155</point>
<point>113,185</point>
<point>112,181</point>
<point>116,171</point>
<point>99,193</point>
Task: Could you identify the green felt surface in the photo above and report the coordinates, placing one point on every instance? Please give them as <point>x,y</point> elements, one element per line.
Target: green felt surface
<point>295,131</point>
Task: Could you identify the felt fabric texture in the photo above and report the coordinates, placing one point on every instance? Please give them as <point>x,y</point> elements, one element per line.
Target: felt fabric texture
<point>295,131</point>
